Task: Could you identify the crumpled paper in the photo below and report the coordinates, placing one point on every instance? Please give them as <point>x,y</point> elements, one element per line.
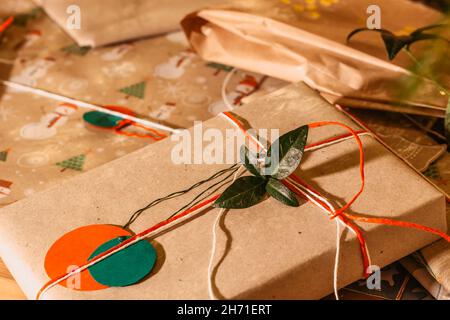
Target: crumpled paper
<point>306,40</point>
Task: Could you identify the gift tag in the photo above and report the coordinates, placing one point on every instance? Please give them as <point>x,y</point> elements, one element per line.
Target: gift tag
<point>125,267</point>
<point>81,245</point>
<point>74,249</point>
<point>117,124</point>
<point>104,120</point>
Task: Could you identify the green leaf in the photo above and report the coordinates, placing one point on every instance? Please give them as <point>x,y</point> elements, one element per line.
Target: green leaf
<point>282,193</point>
<point>425,36</point>
<point>245,192</point>
<point>76,49</point>
<point>219,66</point>
<point>356,31</point>
<point>290,152</point>
<point>247,160</point>
<point>426,28</point>
<point>394,44</point>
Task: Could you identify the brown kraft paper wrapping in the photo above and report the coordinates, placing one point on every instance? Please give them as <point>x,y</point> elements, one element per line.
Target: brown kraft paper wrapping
<point>280,40</point>
<point>267,251</point>
<point>110,21</point>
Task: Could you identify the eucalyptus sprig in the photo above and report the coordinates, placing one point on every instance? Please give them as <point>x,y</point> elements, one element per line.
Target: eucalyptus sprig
<point>424,69</point>
<point>394,44</point>
<point>281,160</point>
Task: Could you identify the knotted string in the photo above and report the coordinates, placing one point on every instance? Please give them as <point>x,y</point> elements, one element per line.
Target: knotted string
<point>154,134</point>
<point>294,183</point>
<point>300,188</point>
<point>340,213</point>
<point>158,228</point>
<point>211,293</point>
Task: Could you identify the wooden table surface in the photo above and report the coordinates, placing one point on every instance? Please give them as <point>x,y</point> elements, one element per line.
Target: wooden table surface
<point>9,289</point>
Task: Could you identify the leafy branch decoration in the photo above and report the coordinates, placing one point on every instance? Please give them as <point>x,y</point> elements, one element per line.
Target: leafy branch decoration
<point>281,160</point>
<point>394,44</point>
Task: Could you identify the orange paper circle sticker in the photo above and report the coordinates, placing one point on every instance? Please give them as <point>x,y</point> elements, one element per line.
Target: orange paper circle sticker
<point>74,249</point>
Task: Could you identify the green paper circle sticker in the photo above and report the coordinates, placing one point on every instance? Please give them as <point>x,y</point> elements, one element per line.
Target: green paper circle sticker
<point>104,120</point>
<point>125,267</point>
<point>100,119</point>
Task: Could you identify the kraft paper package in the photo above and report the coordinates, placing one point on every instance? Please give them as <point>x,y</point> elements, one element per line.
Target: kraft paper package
<point>44,142</point>
<point>158,78</point>
<point>267,251</point>
<point>306,40</point>
<point>104,22</point>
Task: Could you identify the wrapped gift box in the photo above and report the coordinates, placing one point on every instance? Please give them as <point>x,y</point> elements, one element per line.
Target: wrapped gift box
<point>158,78</point>
<point>111,21</point>
<point>298,42</point>
<point>267,251</point>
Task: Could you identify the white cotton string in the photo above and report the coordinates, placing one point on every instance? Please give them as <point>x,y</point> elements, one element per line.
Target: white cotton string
<point>224,89</point>
<point>211,266</point>
<point>327,144</point>
<point>223,115</point>
<point>336,260</point>
<point>86,105</point>
<point>311,196</point>
<point>211,293</point>
<point>323,199</point>
<point>137,239</point>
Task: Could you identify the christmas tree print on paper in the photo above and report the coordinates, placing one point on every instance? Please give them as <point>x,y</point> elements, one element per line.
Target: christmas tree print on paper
<point>433,172</point>
<point>136,90</point>
<point>4,155</point>
<point>23,19</point>
<point>219,67</point>
<point>76,49</point>
<point>74,163</point>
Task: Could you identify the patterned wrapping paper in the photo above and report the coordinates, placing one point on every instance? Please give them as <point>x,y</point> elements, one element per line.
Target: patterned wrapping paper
<point>158,78</point>
<point>44,56</point>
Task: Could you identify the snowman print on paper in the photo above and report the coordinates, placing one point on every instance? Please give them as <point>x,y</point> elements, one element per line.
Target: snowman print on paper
<point>31,38</point>
<point>31,74</point>
<point>175,67</point>
<point>5,188</point>
<point>48,124</point>
<point>164,111</point>
<point>245,87</point>
<point>117,52</point>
